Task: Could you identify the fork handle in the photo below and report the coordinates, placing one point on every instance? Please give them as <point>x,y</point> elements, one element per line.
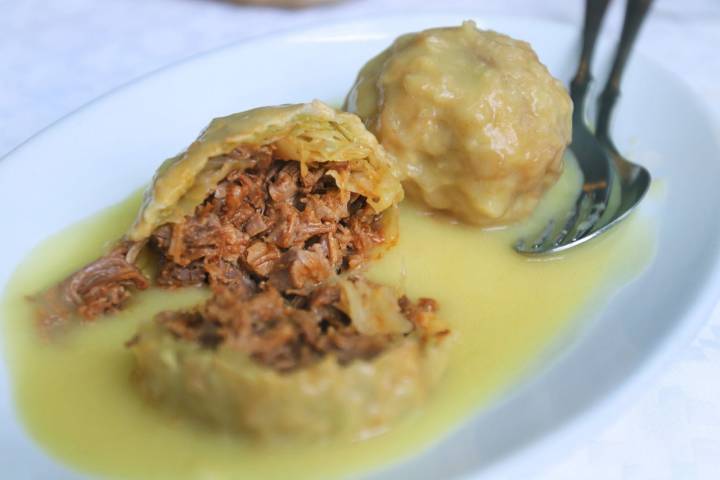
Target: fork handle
<point>635,14</point>
<point>594,15</point>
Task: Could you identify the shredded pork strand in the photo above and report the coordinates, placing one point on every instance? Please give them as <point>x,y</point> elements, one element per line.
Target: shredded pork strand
<point>100,287</point>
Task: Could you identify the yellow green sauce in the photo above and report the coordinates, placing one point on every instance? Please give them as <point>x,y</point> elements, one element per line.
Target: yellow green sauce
<point>76,398</point>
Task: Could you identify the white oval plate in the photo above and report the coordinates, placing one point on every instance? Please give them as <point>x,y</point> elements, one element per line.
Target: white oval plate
<point>100,153</point>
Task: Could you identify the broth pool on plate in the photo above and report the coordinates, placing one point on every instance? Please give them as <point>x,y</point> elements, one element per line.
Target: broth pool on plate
<point>77,400</point>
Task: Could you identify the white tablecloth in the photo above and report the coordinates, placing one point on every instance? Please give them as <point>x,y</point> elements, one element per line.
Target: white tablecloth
<point>56,55</point>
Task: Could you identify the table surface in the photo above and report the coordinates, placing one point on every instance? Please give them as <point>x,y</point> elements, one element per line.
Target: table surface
<point>56,55</point>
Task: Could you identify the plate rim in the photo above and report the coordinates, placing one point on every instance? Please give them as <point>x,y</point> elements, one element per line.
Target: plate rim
<point>699,310</point>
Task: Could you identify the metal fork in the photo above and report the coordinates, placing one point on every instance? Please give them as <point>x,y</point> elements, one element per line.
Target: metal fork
<point>601,164</point>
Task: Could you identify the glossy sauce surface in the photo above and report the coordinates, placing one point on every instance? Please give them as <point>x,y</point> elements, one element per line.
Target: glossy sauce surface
<point>76,398</point>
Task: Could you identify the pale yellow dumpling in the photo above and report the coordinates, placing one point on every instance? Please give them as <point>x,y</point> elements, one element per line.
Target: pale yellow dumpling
<point>477,124</point>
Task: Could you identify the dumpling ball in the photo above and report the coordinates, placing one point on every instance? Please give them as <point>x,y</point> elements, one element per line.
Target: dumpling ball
<point>477,124</point>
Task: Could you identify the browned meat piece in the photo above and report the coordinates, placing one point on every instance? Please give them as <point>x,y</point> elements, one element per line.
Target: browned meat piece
<point>256,224</point>
<point>307,267</point>
<point>195,238</point>
<point>284,185</point>
<point>299,270</point>
<point>222,273</point>
<point>283,334</point>
<point>329,207</point>
<point>172,274</point>
<point>100,287</point>
<point>262,257</point>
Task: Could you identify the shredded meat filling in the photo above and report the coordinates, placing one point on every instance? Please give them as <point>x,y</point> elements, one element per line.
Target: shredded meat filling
<point>273,225</point>
<point>286,334</point>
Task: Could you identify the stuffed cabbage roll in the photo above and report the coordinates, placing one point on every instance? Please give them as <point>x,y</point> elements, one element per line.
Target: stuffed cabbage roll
<point>477,123</point>
<point>346,359</point>
<point>286,196</point>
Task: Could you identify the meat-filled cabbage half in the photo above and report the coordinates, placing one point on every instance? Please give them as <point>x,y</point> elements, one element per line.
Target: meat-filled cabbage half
<point>347,359</point>
<point>286,196</point>
<point>276,209</point>
<point>478,125</point>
